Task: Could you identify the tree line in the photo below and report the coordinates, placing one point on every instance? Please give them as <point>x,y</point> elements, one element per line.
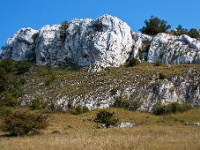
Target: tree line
<point>154,25</point>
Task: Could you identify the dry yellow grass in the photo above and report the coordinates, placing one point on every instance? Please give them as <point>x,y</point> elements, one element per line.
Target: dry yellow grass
<point>79,132</point>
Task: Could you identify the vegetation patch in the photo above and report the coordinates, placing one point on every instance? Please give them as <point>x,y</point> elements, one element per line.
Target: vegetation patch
<point>106,118</point>
<point>160,109</point>
<point>23,123</point>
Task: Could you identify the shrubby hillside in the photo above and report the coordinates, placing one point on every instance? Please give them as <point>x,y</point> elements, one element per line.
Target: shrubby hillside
<point>100,63</point>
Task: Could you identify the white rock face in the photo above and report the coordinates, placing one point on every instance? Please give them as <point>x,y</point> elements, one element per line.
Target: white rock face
<point>48,45</point>
<point>91,44</point>
<point>172,49</point>
<point>20,46</point>
<point>99,43</point>
<point>96,44</point>
<point>141,44</point>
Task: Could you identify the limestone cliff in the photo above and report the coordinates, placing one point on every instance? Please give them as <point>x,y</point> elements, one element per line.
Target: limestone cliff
<point>90,44</point>
<point>96,44</point>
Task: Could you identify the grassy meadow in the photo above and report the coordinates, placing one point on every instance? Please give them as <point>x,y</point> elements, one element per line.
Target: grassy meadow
<point>78,132</point>
<point>75,132</point>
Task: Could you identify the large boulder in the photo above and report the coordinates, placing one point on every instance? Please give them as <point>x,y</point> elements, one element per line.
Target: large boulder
<point>97,44</point>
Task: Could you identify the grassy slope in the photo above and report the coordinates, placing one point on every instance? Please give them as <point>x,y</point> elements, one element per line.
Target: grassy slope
<point>43,82</point>
<point>79,132</point>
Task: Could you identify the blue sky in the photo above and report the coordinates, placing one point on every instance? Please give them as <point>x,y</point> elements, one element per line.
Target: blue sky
<point>16,14</point>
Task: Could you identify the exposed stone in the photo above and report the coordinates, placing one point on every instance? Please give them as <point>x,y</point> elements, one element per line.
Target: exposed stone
<point>127,124</point>
<point>97,44</point>
<point>172,49</point>
<point>93,45</point>
<point>193,123</point>
<point>89,44</point>
<point>20,46</point>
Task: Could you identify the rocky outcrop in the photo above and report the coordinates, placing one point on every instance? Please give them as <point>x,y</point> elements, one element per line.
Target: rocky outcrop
<point>174,49</point>
<point>48,45</point>
<point>20,46</point>
<point>90,44</point>
<point>96,44</point>
<point>141,45</point>
<point>102,89</point>
<point>99,43</point>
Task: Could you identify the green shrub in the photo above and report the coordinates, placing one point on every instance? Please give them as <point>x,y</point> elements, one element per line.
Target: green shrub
<point>113,91</point>
<point>154,26</point>
<point>136,104</point>
<point>78,110</point>
<point>159,109</point>
<point>7,99</point>
<point>133,62</point>
<point>186,107</point>
<point>49,80</point>
<point>70,104</point>
<point>162,76</point>
<point>121,102</point>
<point>179,30</point>
<point>38,104</point>
<point>4,80</point>
<point>106,118</point>
<point>23,123</point>
<point>23,67</point>
<point>34,37</point>
<point>52,105</point>
<point>194,33</point>
<point>81,109</point>
<point>8,65</point>
<point>158,63</point>
<point>85,109</point>
<point>175,107</point>
<point>63,28</point>
<point>5,111</point>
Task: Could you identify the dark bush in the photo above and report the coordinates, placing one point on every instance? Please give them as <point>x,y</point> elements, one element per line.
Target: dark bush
<point>23,67</point>
<point>159,109</point>
<point>121,102</point>
<point>162,76</point>
<point>81,109</point>
<point>8,65</point>
<point>38,104</point>
<point>78,110</point>
<point>4,80</point>
<point>7,99</point>
<point>113,91</point>
<point>154,26</point>
<point>106,118</point>
<point>23,123</point>
<point>49,80</point>
<point>34,37</point>
<point>70,104</point>
<point>63,28</point>
<point>158,63</point>
<point>133,62</point>
<point>186,107</point>
<point>194,33</point>
<point>5,111</point>
<point>175,107</point>
<point>136,104</point>
<point>179,30</point>
<point>85,109</point>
